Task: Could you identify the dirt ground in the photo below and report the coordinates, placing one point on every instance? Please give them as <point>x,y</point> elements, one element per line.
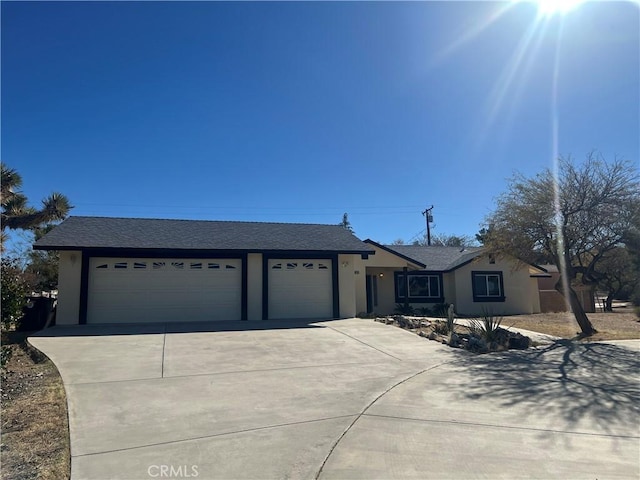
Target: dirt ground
<point>35,432</point>
<point>621,324</point>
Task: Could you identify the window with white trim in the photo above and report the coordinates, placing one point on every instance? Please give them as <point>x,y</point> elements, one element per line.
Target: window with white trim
<point>487,286</point>
<point>419,288</point>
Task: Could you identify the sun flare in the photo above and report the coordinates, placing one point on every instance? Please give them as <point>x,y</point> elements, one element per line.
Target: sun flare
<point>547,8</point>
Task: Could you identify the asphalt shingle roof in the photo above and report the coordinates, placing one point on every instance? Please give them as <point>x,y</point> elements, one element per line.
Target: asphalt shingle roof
<point>437,258</point>
<point>145,233</point>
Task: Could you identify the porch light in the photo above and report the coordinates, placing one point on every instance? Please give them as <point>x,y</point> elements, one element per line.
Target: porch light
<point>381,275</point>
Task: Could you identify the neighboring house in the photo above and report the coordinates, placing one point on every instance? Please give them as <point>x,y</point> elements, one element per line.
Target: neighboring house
<point>466,277</point>
<point>132,270</point>
<point>552,301</point>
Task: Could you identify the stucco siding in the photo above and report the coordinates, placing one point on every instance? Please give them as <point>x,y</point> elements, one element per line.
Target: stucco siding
<point>346,285</point>
<point>69,273</point>
<point>520,290</point>
<point>360,283</point>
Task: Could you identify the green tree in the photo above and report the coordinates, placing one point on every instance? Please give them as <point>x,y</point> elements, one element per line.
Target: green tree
<point>15,211</point>
<point>42,269</point>
<point>482,235</point>
<point>618,276</point>
<point>14,292</point>
<point>345,223</point>
<point>575,218</point>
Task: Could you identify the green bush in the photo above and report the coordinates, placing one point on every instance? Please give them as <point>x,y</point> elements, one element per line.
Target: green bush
<point>14,293</point>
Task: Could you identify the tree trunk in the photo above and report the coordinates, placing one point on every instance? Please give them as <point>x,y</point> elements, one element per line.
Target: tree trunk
<point>608,305</point>
<point>578,312</point>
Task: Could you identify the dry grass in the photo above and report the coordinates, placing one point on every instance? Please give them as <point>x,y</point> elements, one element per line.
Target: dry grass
<point>35,432</point>
<point>621,324</point>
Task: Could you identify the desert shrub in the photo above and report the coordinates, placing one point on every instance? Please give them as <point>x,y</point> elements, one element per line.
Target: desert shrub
<point>487,327</point>
<point>445,328</point>
<point>441,328</point>
<point>440,310</point>
<point>424,311</point>
<point>403,309</point>
<point>14,293</point>
<point>5,355</point>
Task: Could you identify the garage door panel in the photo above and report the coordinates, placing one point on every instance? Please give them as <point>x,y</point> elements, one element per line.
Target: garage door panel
<point>164,290</point>
<point>300,288</point>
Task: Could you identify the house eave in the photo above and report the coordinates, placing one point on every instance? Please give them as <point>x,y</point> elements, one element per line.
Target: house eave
<point>192,252</point>
<point>399,255</point>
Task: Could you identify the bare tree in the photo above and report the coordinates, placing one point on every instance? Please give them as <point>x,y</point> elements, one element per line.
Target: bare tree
<point>575,218</point>
<point>445,240</point>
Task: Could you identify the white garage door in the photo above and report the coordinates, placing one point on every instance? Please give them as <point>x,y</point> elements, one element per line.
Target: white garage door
<point>300,289</point>
<point>126,290</point>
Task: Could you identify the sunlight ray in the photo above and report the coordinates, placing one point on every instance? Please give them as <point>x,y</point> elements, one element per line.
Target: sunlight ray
<point>555,158</point>
<point>471,33</point>
<point>499,93</point>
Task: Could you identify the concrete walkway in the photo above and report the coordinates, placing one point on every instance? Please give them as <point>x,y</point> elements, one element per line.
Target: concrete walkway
<point>339,399</point>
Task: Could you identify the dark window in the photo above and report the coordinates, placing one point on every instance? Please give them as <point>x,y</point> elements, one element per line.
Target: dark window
<point>120,265</point>
<point>487,287</point>
<point>139,265</point>
<point>213,266</point>
<point>422,287</point>
<point>104,265</point>
<point>195,265</point>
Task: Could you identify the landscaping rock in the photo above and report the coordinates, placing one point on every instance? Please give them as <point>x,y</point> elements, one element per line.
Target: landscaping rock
<point>519,342</point>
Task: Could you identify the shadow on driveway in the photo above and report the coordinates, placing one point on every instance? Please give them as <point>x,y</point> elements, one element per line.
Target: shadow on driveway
<point>579,383</point>
<point>177,327</point>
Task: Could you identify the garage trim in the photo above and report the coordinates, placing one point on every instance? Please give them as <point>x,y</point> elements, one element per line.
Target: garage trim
<point>266,256</point>
<point>157,253</point>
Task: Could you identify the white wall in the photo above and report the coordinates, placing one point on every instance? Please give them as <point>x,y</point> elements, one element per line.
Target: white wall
<point>69,272</point>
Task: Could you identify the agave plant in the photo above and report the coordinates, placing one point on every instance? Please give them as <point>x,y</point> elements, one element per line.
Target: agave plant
<point>486,327</point>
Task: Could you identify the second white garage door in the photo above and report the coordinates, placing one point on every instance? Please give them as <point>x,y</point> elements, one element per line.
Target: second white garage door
<point>300,288</point>
<point>130,290</point>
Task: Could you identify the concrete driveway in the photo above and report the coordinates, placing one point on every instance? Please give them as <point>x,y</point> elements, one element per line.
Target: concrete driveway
<point>340,399</point>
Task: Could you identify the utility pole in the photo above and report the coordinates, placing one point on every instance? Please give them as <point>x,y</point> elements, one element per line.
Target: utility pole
<point>429,217</point>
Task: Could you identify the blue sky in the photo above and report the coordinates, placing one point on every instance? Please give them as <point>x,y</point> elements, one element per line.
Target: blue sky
<point>301,111</point>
